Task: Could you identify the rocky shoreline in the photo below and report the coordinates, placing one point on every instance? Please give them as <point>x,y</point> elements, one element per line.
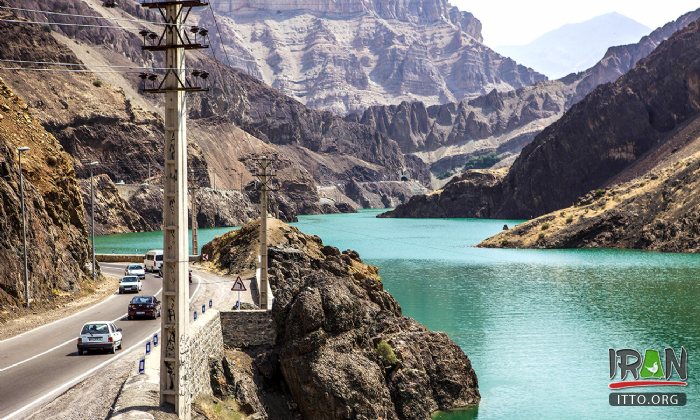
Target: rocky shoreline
<point>343,348</point>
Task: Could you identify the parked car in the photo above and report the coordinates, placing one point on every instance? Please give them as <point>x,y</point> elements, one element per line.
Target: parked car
<point>135,270</point>
<point>144,306</point>
<point>160,273</point>
<point>130,284</point>
<point>153,260</point>
<point>99,335</point>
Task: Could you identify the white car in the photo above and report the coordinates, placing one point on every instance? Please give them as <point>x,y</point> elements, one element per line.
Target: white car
<point>99,335</point>
<point>135,270</point>
<point>130,284</point>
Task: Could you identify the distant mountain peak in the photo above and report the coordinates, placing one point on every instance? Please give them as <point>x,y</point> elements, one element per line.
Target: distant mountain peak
<point>576,46</point>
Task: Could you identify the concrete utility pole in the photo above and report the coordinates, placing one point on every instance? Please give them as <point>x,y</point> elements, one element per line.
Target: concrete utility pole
<point>174,40</point>
<point>193,222</point>
<point>27,296</point>
<point>92,216</point>
<point>264,173</point>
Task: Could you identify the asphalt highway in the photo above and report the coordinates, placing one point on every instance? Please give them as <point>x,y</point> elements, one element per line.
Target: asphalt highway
<point>41,363</point>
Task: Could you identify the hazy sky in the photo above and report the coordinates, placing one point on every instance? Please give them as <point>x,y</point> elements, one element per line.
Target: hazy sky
<point>515,22</point>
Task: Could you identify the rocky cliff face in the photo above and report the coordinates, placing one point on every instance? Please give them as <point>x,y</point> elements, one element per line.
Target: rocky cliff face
<point>56,230</point>
<point>346,55</point>
<point>450,136</point>
<point>343,349</point>
<point>102,117</point>
<point>617,125</point>
<point>112,213</point>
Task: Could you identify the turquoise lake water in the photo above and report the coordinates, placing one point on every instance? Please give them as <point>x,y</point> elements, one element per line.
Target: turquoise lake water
<point>536,324</point>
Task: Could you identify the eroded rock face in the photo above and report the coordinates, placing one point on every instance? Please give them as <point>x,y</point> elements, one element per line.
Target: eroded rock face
<point>112,213</point>
<point>343,56</point>
<point>56,228</point>
<point>501,123</point>
<point>332,315</point>
<point>612,135</point>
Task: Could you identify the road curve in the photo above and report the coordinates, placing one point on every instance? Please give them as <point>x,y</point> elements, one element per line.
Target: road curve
<point>41,363</point>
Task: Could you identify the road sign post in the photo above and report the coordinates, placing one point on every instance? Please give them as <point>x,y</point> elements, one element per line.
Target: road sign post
<point>239,287</point>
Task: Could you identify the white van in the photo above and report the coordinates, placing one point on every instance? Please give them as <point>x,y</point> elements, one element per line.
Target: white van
<point>153,260</point>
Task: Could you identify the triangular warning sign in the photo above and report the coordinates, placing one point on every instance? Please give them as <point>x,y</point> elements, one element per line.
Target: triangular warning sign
<point>238,285</point>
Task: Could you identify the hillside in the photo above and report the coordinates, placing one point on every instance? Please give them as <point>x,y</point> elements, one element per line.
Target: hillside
<point>454,136</point>
<point>613,135</point>
<point>102,116</point>
<point>344,56</point>
<point>576,47</point>
<point>658,211</point>
<point>56,230</point>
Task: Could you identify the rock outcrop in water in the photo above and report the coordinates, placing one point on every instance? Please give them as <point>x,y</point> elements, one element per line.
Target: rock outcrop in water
<point>56,229</point>
<point>616,133</point>
<point>343,349</point>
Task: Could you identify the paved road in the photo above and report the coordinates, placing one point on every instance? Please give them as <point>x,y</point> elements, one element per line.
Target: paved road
<point>38,365</point>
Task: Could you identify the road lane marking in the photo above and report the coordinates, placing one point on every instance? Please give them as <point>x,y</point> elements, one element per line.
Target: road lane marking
<point>60,345</point>
<point>58,320</point>
<point>82,376</point>
<point>77,379</point>
<point>63,319</point>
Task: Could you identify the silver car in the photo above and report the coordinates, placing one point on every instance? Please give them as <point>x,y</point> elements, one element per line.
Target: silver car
<point>135,270</point>
<point>99,335</point>
<point>131,284</point>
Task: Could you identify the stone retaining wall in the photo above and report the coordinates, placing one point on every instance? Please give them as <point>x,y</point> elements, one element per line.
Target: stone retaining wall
<point>245,329</point>
<point>205,342</point>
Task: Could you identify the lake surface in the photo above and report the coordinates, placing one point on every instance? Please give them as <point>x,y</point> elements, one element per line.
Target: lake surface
<point>536,324</point>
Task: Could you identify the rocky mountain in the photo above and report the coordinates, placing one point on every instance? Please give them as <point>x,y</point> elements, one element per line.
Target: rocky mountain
<point>347,55</point>
<point>102,116</point>
<point>56,231</point>
<point>478,133</point>
<point>657,211</point>
<point>599,139</point>
<point>343,349</point>
<point>577,46</point>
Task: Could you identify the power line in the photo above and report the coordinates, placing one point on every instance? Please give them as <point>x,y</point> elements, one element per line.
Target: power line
<point>81,16</point>
<point>53,63</point>
<point>83,25</point>
<point>69,70</point>
<point>85,16</point>
<point>221,42</point>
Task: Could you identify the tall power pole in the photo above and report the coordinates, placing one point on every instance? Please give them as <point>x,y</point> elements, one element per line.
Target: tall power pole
<point>27,295</point>
<point>175,83</point>
<point>193,222</point>
<point>92,216</point>
<point>265,174</point>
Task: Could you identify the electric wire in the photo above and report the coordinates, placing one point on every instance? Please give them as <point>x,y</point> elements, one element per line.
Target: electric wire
<point>82,25</point>
<point>144,22</point>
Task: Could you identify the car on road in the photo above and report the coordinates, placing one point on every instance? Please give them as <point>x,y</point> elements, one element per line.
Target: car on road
<point>99,335</point>
<point>153,260</point>
<point>135,270</point>
<point>130,284</point>
<point>147,306</point>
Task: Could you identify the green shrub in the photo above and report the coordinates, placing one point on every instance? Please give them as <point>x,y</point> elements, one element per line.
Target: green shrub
<point>386,353</point>
<point>569,220</point>
<point>541,236</point>
<point>545,226</point>
<point>97,83</point>
<point>505,243</point>
<point>599,193</point>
